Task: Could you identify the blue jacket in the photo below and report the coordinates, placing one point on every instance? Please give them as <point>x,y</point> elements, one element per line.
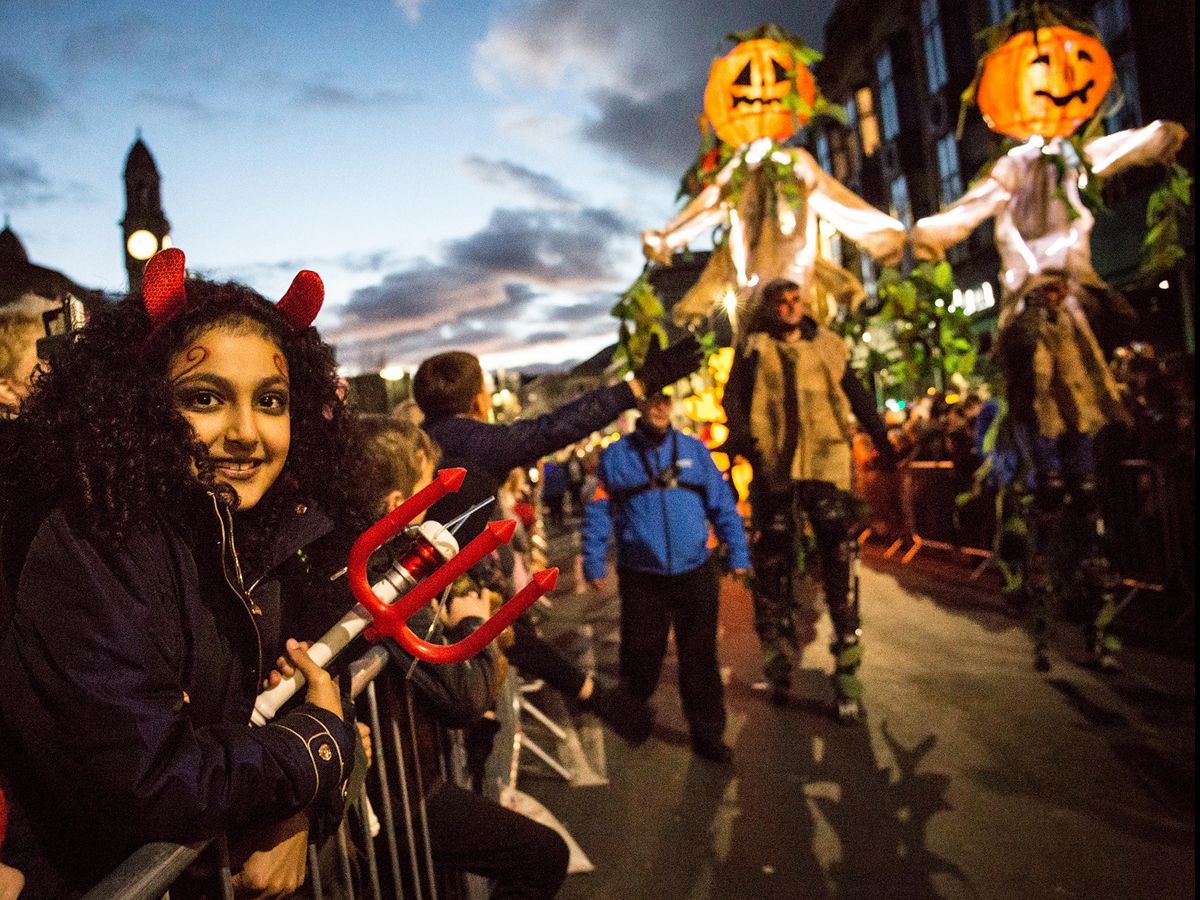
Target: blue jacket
<point>661,522</point>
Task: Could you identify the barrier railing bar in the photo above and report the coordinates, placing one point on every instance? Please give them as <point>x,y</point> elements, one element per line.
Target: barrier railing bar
<point>422,812</point>
<point>405,800</point>
<point>385,792</point>
<point>314,873</point>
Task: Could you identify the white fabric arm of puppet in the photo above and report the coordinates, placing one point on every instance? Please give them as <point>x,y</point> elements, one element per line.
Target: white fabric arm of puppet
<point>334,641</point>
<point>933,234</point>
<point>701,216</point>
<point>1157,142</point>
<point>876,232</point>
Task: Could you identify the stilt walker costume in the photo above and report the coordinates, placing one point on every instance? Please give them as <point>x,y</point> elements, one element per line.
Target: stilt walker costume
<point>1045,78</point>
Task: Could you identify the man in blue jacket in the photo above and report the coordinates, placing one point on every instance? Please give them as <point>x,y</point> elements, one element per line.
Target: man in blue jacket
<point>660,489</point>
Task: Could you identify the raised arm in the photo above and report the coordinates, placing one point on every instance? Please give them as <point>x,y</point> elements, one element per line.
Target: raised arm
<point>876,232</point>
<point>932,235</point>
<point>1157,142</point>
<point>705,212</point>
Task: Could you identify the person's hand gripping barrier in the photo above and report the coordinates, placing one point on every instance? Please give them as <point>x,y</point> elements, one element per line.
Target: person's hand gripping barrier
<point>432,546</point>
<point>389,620</point>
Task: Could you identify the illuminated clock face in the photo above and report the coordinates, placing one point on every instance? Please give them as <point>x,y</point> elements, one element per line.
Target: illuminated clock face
<point>142,244</point>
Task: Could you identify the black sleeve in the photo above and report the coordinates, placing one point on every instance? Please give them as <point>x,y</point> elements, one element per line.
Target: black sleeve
<point>457,693</point>
<point>864,410</point>
<point>736,402</point>
<point>531,439</point>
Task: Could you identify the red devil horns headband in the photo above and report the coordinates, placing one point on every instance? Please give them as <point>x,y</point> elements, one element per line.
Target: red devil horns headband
<point>164,292</point>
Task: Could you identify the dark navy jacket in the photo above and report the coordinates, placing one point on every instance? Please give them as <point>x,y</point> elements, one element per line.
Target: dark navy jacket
<point>127,679</point>
<point>489,452</point>
<point>660,529</point>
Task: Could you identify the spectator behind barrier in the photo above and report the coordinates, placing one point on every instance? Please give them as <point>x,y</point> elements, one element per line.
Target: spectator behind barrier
<point>179,419</point>
<point>391,459</point>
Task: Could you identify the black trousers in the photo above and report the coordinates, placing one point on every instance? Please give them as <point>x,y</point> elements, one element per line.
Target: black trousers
<point>650,605</point>
<point>470,833</point>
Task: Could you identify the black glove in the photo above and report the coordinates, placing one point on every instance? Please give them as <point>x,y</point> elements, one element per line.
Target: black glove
<point>663,367</point>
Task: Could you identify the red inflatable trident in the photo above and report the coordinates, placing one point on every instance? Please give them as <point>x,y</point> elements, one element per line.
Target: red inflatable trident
<point>390,620</point>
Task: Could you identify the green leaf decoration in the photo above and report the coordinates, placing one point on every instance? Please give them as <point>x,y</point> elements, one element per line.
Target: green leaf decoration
<point>934,341</point>
<point>640,310</point>
<point>1167,207</point>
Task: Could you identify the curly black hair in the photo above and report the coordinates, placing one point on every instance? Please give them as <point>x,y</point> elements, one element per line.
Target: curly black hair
<point>104,440</point>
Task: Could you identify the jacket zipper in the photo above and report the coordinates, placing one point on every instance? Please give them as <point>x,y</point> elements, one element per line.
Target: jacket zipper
<point>229,549</point>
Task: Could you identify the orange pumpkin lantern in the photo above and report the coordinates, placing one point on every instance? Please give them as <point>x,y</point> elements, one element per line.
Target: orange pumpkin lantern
<point>1047,82</point>
<point>744,96</point>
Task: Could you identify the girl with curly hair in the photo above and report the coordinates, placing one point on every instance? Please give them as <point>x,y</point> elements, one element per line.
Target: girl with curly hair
<point>180,457</point>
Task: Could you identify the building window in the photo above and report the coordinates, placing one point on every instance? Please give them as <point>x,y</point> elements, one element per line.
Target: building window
<point>889,111</point>
<point>824,159</point>
<point>841,146</point>
<point>949,176</point>
<point>935,47</point>
<point>868,127</point>
<point>901,207</point>
<point>998,9</point>
<point>1112,20</point>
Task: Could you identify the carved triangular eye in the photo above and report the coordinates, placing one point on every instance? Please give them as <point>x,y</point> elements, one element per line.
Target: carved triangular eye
<point>780,72</point>
<point>744,77</point>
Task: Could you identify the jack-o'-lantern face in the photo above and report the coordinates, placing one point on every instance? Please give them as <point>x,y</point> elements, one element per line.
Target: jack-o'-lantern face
<point>1046,82</point>
<point>744,96</point>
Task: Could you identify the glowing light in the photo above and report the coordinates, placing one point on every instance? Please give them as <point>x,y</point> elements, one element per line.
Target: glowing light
<point>142,244</point>
<point>392,373</point>
<point>1164,284</point>
<point>939,302</point>
<point>867,336</point>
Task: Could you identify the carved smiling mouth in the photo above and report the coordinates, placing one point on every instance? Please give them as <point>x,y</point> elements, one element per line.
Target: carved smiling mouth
<point>1080,95</point>
<point>753,101</point>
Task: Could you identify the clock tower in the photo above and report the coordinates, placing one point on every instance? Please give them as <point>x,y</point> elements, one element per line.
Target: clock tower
<point>145,227</point>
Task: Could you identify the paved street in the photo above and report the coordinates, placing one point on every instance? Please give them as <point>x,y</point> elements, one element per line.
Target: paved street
<point>972,775</point>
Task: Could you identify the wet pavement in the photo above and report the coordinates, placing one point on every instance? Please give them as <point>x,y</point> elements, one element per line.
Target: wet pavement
<point>970,776</point>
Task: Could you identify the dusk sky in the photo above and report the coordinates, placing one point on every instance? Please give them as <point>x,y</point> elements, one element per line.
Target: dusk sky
<point>464,175</point>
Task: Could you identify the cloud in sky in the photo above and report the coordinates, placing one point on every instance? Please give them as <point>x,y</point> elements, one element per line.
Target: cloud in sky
<point>334,97</point>
<point>410,8</point>
<point>655,134</point>
<point>503,173</point>
<point>23,183</point>
<point>122,40</point>
<point>186,104</point>
<point>25,99</point>
<point>518,276</point>
<point>641,66</point>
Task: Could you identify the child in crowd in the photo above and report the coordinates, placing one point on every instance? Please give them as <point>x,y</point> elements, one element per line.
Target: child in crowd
<point>392,459</point>
<point>180,456</point>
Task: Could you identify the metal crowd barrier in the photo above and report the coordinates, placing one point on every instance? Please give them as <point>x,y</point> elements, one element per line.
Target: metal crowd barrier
<point>931,517</point>
<point>1148,512</point>
<point>1151,523</point>
<point>393,864</point>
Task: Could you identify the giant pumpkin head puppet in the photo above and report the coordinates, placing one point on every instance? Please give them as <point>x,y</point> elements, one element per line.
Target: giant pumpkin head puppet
<point>762,88</point>
<point>1046,75</point>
